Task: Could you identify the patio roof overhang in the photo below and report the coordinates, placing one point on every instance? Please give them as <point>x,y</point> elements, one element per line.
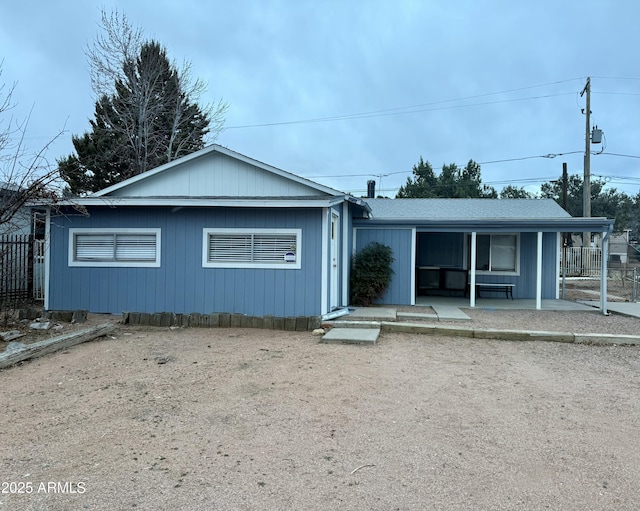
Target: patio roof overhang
<point>570,224</point>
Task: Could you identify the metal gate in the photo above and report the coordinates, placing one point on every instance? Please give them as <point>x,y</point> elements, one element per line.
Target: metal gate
<point>16,268</point>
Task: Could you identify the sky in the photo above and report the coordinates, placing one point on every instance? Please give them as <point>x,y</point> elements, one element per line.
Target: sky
<point>342,92</point>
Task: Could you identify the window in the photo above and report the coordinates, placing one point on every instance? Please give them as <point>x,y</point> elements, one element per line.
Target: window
<point>497,253</point>
<point>39,219</point>
<point>114,247</point>
<point>251,248</point>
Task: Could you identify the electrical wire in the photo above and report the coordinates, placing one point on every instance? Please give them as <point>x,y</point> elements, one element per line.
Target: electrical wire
<point>549,155</point>
<point>391,112</point>
<point>621,155</point>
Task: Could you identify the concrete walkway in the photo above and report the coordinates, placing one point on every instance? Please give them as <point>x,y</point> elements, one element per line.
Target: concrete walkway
<point>625,308</point>
<point>363,326</point>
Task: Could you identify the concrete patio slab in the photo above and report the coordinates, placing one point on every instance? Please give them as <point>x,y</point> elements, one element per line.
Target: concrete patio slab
<point>625,308</point>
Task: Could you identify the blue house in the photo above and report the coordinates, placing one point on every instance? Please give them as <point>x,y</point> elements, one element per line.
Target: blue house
<point>217,231</point>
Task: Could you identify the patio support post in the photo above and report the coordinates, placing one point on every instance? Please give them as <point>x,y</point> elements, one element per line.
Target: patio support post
<point>539,272</point>
<point>603,272</point>
<point>472,284</point>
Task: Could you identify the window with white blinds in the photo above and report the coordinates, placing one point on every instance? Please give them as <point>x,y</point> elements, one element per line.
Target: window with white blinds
<point>497,253</point>
<point>251,248</point>
<point>118,247</point>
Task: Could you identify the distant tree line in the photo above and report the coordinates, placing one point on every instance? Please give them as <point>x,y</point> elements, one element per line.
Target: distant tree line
<point>455,182</point>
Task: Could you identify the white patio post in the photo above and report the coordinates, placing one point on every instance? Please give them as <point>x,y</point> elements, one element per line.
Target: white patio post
<point>472,284</point>
<point>539,272</point>
<point>603,273</point>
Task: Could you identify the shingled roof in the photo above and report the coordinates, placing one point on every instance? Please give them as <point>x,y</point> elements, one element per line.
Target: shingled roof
<point>462,209</point>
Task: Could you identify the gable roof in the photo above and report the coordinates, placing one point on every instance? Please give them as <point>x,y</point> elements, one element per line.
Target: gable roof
<point>216,171</point>
<point>462,209</point>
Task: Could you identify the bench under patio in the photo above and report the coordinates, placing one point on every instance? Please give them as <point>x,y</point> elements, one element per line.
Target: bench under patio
<point>507,289</point>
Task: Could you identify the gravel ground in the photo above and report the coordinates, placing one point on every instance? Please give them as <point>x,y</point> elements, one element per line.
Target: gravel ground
<point>198,419</point>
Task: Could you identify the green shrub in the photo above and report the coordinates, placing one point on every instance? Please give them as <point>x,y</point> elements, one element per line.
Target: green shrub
<point>370,273</point>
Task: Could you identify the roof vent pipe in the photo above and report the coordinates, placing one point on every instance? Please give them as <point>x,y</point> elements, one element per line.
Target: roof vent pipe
<point>371,189</point>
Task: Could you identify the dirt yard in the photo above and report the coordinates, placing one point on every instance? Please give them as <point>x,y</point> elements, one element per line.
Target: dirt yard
<point>221,419</point>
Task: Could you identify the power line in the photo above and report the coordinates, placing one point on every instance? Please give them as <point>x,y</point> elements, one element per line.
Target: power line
<point>617,93</point>
<point>621,155</point>
<point>391,112</point>
<point>549,155</point>
<point>617,77</point>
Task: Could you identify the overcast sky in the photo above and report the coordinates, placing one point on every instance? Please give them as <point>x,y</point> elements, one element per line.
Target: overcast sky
<point>346,91</point>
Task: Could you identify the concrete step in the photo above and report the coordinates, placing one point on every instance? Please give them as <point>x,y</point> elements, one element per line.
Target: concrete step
<point>352,335</point>
<point>370,314</point>
<point>344,323</point>
<point>449,313</point>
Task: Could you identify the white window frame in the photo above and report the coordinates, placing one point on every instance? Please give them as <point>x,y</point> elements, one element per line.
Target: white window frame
<point>497,272</point>
<point>296,265</point>
<point>73,233</point>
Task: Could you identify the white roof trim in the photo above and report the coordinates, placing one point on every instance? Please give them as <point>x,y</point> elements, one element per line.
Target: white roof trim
<point>205,202</point>
<point>215,148</point>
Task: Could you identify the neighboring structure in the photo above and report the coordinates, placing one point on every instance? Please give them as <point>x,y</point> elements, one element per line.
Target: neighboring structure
<point>217,231</point>
<point>21,248</point>
<point>619,248</point>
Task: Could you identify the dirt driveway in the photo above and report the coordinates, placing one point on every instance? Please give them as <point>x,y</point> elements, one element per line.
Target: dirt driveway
<point>195,419</point>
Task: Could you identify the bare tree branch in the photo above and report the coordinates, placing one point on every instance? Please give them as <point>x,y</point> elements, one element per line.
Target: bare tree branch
<point>24,178</point>
<point>119,42</point>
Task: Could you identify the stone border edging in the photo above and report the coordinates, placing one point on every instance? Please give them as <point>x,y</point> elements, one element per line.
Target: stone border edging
<point>509,335</point>
<point>221,320</point>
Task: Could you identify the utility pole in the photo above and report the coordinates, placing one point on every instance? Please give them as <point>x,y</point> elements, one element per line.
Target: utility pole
<point>586,185</point>
<point>565,235</point>
<point>565,185</point>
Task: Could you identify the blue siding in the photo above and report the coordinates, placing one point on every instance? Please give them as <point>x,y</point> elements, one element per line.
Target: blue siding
<point>181,284</point>
<point>526,281</point>
<point>400,241</point>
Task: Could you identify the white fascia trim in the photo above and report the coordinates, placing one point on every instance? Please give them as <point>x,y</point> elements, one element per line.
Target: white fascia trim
<point>203,202</point>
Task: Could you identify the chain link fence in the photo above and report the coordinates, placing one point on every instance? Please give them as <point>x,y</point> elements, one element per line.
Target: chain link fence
<point>622,286</point>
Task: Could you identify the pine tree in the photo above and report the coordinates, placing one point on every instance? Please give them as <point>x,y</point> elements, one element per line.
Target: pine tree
<point>146,118</point>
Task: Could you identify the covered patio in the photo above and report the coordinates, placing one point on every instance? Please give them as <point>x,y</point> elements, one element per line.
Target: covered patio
<point>489,253</point>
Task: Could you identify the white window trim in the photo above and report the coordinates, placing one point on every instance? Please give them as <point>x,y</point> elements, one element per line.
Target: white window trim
<point>114,264</point>
<point>230,230</point>
<point>497,272</point>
